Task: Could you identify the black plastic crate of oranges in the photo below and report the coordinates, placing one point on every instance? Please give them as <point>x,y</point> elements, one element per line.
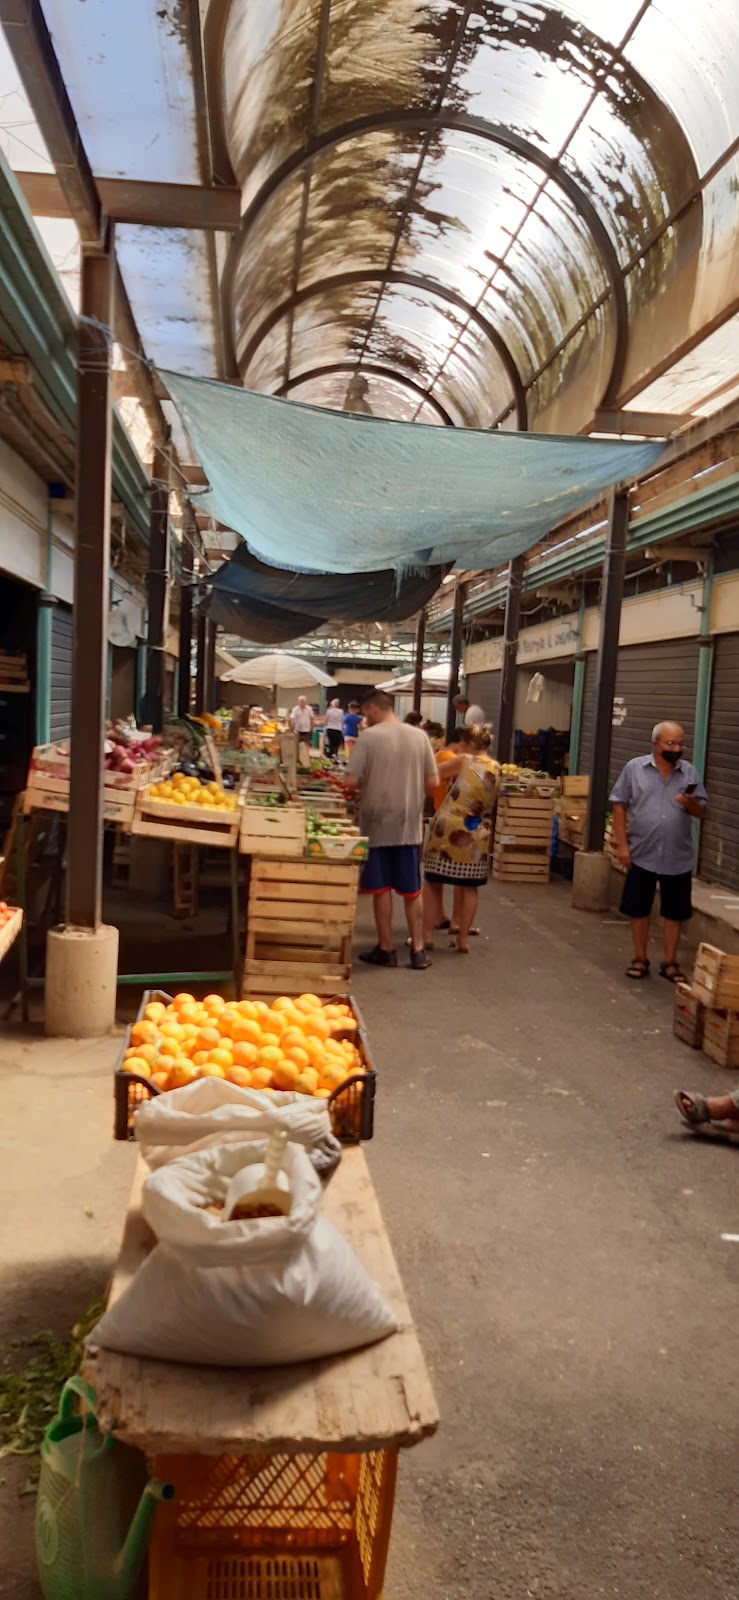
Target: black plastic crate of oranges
<point>351,1103</point>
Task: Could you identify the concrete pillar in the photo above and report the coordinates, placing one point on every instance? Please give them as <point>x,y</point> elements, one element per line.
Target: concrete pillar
<point>81,975</point>
<point>591,881</point>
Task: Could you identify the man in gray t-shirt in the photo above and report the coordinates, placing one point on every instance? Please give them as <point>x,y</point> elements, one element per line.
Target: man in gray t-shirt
<point>394,768</point>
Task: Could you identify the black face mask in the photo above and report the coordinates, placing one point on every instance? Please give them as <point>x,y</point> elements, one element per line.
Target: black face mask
<point>673,756</point>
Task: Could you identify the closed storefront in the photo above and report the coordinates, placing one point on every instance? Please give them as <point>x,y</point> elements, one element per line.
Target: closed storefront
<point>719,857</point>
<point>653,682</point>
<point>61,672</point>
<point>483,689</point>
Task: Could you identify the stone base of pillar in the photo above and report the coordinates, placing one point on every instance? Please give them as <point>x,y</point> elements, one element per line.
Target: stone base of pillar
<point>80,989</point>
<point>591,881</point>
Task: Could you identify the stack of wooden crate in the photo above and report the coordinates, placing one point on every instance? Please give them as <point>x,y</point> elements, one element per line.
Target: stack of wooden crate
<point>299,921</point>
<point>715,985</point>
<point>523,839</point>
<point>572,810</point>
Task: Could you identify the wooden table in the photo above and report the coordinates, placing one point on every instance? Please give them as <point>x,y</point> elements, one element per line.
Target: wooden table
<point>290,1464</point>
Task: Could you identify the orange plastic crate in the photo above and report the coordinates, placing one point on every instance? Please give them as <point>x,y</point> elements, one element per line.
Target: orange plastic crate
<point>302,1527</point>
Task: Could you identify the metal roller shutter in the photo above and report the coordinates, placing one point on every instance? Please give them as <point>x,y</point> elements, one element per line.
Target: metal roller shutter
<point>483,689</point>
<point>653,681</point>
<point>719,857</point>
<point>61,672</point>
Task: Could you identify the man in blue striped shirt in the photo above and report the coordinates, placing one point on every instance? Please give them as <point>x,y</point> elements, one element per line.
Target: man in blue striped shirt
<point>660,792</point>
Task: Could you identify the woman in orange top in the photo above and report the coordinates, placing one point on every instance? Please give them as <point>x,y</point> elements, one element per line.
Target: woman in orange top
<point>449,762</point>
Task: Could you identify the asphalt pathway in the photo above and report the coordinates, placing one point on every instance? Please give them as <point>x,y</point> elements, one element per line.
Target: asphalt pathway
<point>560,1241</point>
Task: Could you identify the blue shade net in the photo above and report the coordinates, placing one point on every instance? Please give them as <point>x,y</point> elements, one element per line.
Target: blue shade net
<point>325,491</point>
<point>270,605</point>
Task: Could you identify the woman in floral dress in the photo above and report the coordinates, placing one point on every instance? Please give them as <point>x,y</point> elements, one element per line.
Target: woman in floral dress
<point>458,846</point>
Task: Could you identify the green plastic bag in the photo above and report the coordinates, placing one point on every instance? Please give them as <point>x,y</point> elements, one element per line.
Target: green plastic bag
<point>94,1507</point>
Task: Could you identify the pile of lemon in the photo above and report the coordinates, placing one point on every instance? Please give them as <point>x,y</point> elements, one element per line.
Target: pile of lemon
<point>180,790</point>
<point>304,1044</point>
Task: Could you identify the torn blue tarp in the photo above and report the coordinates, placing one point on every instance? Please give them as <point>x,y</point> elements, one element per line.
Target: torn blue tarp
<point>325,491</point>
<point>270,605</point>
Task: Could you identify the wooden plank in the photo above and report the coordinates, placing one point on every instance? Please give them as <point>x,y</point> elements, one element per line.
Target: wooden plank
<point>290,928</point>
<point>372,1399</point>
<point>261,894</point>
<point>293,977</point>
<point>313,872</point>
<point>303,909</point>
<point>264,969</point>
<point>169,830</point>
<point>274,954</point>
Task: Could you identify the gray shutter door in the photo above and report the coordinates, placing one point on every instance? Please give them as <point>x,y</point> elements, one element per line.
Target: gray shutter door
<point>61,672</point>
<point>654,682</point>
<point>719,857</point>
<point>483,689</point>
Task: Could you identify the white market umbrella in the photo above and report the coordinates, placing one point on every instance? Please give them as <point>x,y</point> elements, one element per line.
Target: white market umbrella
<point>434,677</point>
<point>278,671</point>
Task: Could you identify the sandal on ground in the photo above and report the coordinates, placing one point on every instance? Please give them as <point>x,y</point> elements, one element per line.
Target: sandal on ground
<point>474,932</point>
<point>695,1111</point>
<point>671,971</point>
<point>639,968</point>
<point>697,1120</point>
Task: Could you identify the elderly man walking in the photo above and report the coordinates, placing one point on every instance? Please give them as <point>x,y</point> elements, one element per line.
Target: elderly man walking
<point>660,792</point>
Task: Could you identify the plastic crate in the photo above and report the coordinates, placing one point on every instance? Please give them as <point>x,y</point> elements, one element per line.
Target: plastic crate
<point>351,1106</point>
<point>300,1527</point>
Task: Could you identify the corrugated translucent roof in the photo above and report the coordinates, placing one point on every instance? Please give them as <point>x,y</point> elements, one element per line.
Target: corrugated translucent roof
<point>505,214</point>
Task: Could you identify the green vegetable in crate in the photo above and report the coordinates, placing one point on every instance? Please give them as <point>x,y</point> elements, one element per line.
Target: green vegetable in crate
<point>94,1507</point>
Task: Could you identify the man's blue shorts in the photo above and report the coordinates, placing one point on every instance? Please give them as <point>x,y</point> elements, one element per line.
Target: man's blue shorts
<point>392,866</point>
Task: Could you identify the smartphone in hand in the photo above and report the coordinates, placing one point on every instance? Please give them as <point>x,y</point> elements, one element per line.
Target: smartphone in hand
<point>690,788</point>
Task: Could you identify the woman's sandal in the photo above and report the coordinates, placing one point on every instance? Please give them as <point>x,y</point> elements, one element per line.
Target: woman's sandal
<point>671,971</point>
<point>696,1118</point>
<point>639,968</point>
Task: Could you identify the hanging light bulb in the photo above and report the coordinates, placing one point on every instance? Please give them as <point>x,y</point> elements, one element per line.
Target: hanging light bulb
<point>355,399</point>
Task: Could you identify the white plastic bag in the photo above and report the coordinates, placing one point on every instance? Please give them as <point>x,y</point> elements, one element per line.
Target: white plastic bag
<point>212,1111</point>
<point>247,1293</point>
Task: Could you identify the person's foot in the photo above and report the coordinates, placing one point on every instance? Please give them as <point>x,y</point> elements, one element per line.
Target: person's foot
<point>379,957</point>
<point>419,960</point>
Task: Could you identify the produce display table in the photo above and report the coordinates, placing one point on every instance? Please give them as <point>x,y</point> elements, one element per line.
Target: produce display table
<point>287,1470</point>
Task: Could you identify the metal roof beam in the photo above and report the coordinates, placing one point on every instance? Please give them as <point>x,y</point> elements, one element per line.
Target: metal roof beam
<point>399,119</point>
<point>413,280</point>
<point>377,370</point>
<point>155,205</point>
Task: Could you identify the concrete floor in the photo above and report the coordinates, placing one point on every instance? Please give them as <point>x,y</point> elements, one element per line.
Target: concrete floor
<point>560,1241</point>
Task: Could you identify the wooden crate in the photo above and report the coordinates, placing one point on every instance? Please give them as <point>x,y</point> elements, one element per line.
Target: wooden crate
<point>44,793</point>
<point>688,1016</point>
<point>576,787</point>
<point>721,1037</point>
<point>158,819</point>
<point>523,835</point>
<point>716,978</point>
<point>299,921</point>
<point>272,831</point>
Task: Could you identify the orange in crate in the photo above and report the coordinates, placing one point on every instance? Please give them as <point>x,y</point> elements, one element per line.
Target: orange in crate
<point>302,1527</point>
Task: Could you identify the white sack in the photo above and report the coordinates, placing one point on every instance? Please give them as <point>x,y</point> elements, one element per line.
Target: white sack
<point>250,1293</point>
<point>212,1111</point>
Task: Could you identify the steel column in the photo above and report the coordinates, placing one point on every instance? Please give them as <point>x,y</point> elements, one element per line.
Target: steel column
<point>511,626</point>
<point>156,589</point>
<point>456,654</point>
<point>614,564</point>
<point>91,590</point>
<point>184,680</point>
<point>140,680</point>
<point>418,674</point>
<point>210,688</point>
<point>202,665</point>
<point>703,692</point>
<point>578,689</point>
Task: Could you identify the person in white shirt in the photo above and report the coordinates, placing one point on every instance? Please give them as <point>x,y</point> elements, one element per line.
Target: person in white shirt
<point>471,715</point>
<point>333,736</point>
<point>302,721</point>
